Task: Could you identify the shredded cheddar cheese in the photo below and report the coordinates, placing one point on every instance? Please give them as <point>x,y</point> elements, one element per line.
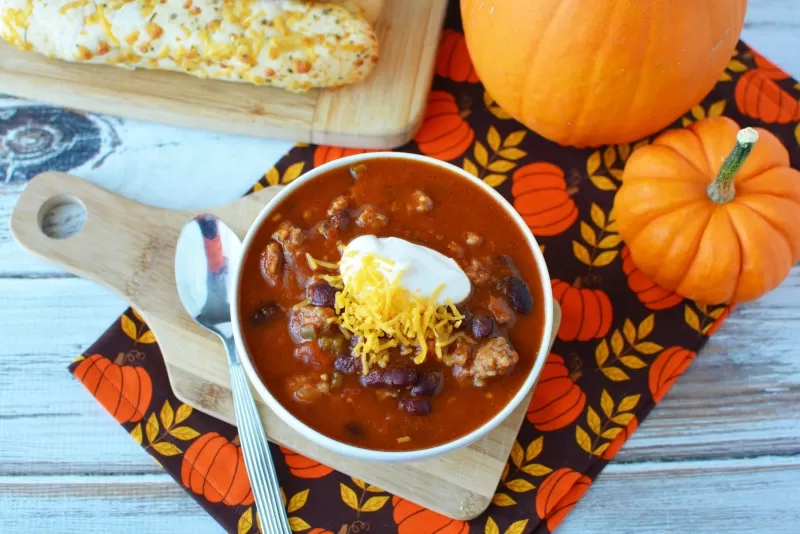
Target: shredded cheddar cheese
<point>385,315</point>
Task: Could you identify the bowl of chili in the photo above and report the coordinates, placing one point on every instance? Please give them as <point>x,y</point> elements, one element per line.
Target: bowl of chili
<point>391,307</point>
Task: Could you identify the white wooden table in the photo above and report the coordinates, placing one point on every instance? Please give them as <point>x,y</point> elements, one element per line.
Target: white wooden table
<point>720,454</point>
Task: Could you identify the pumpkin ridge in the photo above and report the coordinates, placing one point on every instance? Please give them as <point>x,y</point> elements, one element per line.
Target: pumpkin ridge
<point>640,227</point>
<point>581,395</point>
<point>447,133</point>
<point>551,208</point>
<point>556,482</point>
<point>560,505</point>
<point>204,476</point>
<point>769,223</point>
<point>121,389</point>
<point>553,401</point>
<point>741,250</point>
<point>581,315</point>
<point>191,463</point>
<point>102,371</point>
<point>537,189</point>
<point>233,478</point>
<point>600,312</point>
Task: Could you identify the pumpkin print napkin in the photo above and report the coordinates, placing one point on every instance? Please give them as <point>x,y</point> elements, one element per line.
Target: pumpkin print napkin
<point>622,343</point>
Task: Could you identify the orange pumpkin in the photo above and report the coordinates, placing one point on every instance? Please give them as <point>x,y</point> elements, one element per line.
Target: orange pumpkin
<point>558,494</point>
<point>691,231</point>
<point>768,68</point>
<point>557,400</point>
<point>326,154</point>
<point>617,443</point>
<point>652,295</point>
<point>452,60</point>
<point>543,199</point>
<point>577,73</point>
<point>214,468</point>
<point>759,97</point>
<point>414,519</point>
<point>444,133</point>
<point>585,313</point>
<point>669,365</point>
<point>303,467</point>
<point>319,531</point>
<point>123,390</point>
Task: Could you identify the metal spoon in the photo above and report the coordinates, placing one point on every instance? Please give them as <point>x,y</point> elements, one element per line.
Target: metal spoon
<point>206,255</point>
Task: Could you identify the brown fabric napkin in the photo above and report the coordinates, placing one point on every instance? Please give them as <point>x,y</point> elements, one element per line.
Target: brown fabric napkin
<point>622,344</point>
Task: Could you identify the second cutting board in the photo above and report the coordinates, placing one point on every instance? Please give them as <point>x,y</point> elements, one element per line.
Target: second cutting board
<point>384,112</point>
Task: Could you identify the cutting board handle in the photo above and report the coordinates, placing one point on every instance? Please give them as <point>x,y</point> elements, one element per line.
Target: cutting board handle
<point>105,249</point>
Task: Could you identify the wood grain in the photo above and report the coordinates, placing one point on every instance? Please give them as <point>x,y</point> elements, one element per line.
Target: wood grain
<point>130,248</point>
<point>384,111</point>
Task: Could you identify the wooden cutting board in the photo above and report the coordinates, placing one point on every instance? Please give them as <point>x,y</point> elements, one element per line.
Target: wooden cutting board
<point>130,248</point>
<point>385,111</point>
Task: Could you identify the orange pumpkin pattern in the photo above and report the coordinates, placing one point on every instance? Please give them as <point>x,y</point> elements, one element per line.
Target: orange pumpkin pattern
<point>652,295</point>
<point>214,468</point>
<point>759,97</point>
<point>585,313</point>
<point>619,320</point>
<point>559,493</point>
<point>303,467</point>
<point>123,390</point>
<point>444,133</point>
<point>669,365</point>
<point>414,519</point>
<point>326,154</point>
<point>452,60</point>
<point>543,199</point>
<point>557,400</point>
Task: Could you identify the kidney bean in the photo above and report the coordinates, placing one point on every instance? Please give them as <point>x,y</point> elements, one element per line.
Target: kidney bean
<point>321,294</point>
<point>396,377</point>
<point>428,385</point>
<point>348,365</point>
<point>355,429</point>
<point>482,326</point>
<point>265,313</point>
<point>415,406</point>
<point>519,295</point>
<point>340,219</point>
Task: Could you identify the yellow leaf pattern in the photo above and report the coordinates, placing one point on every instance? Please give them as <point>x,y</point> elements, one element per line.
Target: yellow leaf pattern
<point>349,496</point>
<point>245,522</point>
<point>374,504</point>
<point>297,501</point>
<point>136,433</point>
<point>493,108</point>
<point>501,499</point>
<point>129,327</point>
<point>534,449</point>
<point>599,241</point>
<point>183,413</point>
<point>167,415</point>
<point>491,527</point>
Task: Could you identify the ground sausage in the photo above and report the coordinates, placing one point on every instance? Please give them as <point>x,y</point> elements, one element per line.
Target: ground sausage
<point>478,271</point>
<point>308,322</point>
<point>500,310</point>
<point>290,236</point>
<point>460,355</point>
<point>372,218</point>
<point>272,263</point>
<point>420,202</point>
<point>496,357</point>
<point>339,204</point>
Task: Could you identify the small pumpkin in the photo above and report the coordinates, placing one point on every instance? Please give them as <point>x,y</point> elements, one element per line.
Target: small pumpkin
<point>214,468</point>
<point>303,467</point>
<point>326,154</point>
<point>616,444</point>
<point>123,390</point>
<point>444,133</point>
<point>544,200</point>
<point>452,60</point>
<point>666,369</point>
<point>712,228</point>
<point>414,519</point>
<point>585,313</point>
<point>557,400</point>
<point>576,72</point>
<point>652,295</point>
<point>558,494</point>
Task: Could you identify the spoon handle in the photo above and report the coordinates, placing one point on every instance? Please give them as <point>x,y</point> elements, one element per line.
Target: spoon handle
<point>257,458</point>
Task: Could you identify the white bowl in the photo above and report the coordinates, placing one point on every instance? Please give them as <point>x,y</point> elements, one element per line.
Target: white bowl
<point>370,454</point>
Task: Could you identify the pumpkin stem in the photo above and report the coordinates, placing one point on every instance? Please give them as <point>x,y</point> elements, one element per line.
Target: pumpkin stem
<point>120,359</point>
<point>235,440</point>
<point>578,283</point>
<point>722,189</point>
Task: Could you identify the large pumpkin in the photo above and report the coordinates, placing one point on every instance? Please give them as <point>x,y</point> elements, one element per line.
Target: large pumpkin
<point>303,467</point>
<point>444,133</point>
<point>652,295</point>
<point>558,494</point>
<point>123,390</point>
<point>713,232</point>
<point>669,365</point>
<point>414,519</point>
<point>585,313</point>
<point>214,468</point>
<point>557,400</point>
<point>594,72</point>
<point>543,199</point>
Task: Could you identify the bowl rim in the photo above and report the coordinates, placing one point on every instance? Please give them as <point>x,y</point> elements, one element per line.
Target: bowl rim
<point>353,451</point>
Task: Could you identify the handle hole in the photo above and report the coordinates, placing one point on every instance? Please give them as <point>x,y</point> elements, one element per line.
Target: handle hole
<point>62,217</point>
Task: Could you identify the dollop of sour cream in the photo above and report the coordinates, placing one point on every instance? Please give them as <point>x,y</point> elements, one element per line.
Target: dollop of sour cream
<point>419,268</point>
